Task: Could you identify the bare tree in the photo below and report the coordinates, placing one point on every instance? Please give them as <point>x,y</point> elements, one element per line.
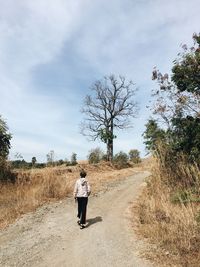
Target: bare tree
<point>111,106</point>
<point>50,157</point>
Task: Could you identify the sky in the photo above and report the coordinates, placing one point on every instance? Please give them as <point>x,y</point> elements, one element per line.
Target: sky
<point>51,52</point>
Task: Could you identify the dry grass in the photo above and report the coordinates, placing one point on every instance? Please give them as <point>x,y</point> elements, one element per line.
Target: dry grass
<point>173,227</point>
<point>32,189</point>
<point>37,186</point>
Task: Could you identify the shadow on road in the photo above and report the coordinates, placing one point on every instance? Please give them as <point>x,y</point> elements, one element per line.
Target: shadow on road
<point>94,220</point>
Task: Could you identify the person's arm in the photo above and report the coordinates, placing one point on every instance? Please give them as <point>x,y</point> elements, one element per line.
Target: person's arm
<point>88,188</point>
<point>75,189</point>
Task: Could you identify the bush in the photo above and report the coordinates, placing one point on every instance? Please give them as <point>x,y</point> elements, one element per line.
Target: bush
<point>104,157</point>
<point>134,156</point>
<point>40,165</point>
<point>21,164</point>
<point>120,160</point>
<point>74,159</point>
<point>95,155</point>
<point>6,175</point>
<point>67,162</point>
<point>60,162</point>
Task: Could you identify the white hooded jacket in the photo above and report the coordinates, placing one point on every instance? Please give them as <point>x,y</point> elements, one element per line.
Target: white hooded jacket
<point>82,188</point>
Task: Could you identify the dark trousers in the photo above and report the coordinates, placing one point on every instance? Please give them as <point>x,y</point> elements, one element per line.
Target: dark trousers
<point>82,208</point>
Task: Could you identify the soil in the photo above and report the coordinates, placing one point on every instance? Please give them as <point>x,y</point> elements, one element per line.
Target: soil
<point>51,236</point>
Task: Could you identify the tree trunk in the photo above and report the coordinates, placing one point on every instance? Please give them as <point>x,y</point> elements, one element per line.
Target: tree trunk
<point>110,150</point>
<point>110,144</point>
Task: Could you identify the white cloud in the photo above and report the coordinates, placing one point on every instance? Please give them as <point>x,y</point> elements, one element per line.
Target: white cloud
<point>32,33</point>
<point>126,34</point>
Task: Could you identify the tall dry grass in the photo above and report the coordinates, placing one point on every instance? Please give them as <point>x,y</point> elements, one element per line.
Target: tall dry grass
<point>37,186</point>
<point>32,189</point>
<point>168,213</point>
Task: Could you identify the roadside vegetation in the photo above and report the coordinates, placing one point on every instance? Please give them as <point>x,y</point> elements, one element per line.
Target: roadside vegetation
<point>169,207</point>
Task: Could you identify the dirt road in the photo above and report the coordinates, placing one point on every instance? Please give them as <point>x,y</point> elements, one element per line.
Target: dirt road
<point>51,237</point>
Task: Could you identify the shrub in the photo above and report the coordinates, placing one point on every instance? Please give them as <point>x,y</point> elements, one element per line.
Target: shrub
<point>197,217</point>
<point>74,159</point>
<point>134,156</point>
<point>95,155</point>
<point>60,162</point>
<point>40,165</point>
<point>6,175</point>
<point>181,196</point>
<point>120,160</point>
<point>104,157</point>
<point>67,162</point>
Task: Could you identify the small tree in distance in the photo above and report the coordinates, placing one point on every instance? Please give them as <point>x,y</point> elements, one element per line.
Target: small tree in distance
<point>34,160</point>
<point>110,107</point>
<point>134,156</point>
<point>50,157</point>
<point>74,159</point>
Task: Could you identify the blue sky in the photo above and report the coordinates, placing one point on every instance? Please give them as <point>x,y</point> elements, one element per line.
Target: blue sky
<point>52,51</point>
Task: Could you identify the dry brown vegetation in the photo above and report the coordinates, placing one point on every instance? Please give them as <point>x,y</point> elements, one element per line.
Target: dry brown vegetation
<point>37,186</point>
<point>168,214</point>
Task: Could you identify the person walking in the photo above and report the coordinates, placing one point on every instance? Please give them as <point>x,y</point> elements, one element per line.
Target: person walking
<point>81,193</point>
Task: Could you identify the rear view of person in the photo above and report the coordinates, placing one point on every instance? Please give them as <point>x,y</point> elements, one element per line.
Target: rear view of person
<point>81,193</point>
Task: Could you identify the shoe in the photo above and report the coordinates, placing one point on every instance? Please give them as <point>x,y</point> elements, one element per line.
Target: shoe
<point>78,222</point>
<point>82,226</point>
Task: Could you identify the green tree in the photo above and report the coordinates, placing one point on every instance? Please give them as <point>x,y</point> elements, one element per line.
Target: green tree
<point>153,135</point>
<point>180,96</point>
<point>134,155</point>
<point>5,138</point>
<point>178,104</point>
<point>186,69</point>
<point>186,137</point>
<point>73,159</point>
<point>34,160</point>
<point>110,107</point>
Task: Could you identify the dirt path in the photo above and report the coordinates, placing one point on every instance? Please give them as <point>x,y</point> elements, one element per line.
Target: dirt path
<point>51,237</point>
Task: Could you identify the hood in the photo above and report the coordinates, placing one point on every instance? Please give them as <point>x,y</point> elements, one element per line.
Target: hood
<point>83,181</point>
